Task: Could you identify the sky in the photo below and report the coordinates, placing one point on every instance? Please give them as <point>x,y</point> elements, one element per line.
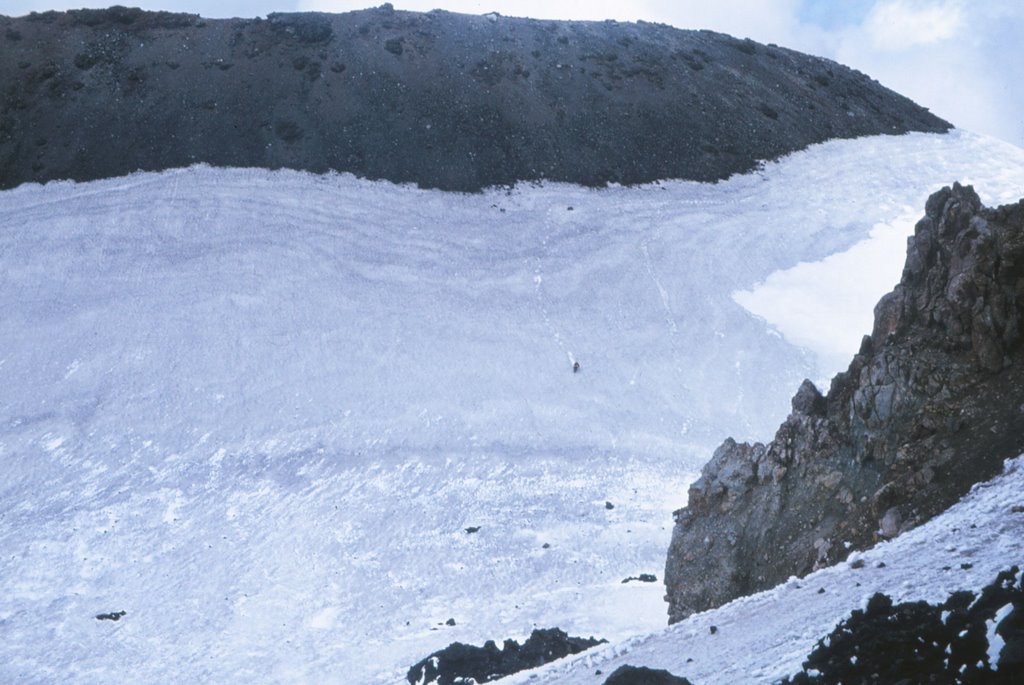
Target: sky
<point>963,59</point>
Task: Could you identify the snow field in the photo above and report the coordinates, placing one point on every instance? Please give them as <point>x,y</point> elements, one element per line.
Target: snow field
<point>764,637</point>
<point>257,410</point>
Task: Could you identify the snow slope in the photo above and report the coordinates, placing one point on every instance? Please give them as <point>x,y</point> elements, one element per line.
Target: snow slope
<point>257,410</point>
<point>765,637</point>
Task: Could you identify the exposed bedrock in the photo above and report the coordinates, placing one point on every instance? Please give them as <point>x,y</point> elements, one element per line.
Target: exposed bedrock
<point>641,675</point>
<point>932,403</point>
<point>462,663</point>
<point>443,100</point>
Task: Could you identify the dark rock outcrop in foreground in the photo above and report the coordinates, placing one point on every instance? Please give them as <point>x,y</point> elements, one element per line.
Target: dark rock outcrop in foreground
<point>641,675</point>
<point>933,403</point>
<point>460,662</point>
<point>916,642</point>
<point>443,100</point>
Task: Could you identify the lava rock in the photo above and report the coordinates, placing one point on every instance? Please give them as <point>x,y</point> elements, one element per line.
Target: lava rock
<point>641,675</point>
<point>458,662</point>
<point>915,642</point>
<point>114,616</point>
<point>928,407</point>
<point>808,400</point>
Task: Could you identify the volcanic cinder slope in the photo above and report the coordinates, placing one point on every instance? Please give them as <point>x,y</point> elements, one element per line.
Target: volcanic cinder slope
<point>444,100</point>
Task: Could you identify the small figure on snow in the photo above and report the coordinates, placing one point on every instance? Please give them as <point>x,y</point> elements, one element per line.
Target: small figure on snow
<point>575,367</point>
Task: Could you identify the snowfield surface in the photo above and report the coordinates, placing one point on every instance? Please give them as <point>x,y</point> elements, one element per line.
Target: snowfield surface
<point>258,411</point>
<point>765,637</point>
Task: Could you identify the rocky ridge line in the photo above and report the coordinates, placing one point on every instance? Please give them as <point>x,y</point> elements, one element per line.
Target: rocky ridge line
<point>932,403</point>
<point>443,100</point>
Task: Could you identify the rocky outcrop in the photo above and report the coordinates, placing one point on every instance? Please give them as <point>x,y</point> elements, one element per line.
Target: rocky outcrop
<point>966,639</point>
<point>641,675</point>
<point>462,663</point>
<point>932,403</point>
<point>443,100</point>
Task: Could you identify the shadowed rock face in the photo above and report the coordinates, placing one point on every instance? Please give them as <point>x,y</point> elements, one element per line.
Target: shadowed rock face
<point>443,100</point>
<point>933,403</point>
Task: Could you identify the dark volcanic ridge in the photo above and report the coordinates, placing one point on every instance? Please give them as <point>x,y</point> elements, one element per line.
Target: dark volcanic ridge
<point>443,100</point>
<point>932,403</point>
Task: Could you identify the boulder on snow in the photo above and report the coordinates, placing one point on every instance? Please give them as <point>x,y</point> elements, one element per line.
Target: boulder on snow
<point>112,616</point>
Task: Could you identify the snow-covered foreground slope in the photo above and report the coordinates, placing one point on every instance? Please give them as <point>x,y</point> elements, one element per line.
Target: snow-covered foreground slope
<point>765,637</point>
<point>257,411</point>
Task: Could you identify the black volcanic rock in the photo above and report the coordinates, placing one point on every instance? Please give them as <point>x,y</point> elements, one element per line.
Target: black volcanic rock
<point>933,403</point>
<point>641,675</point>
<point>443,100</point>
<point>916,642</point>
<point>458,662</point>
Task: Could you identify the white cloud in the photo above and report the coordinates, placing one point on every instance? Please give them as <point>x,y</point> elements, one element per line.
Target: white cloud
<point>900,25</point>
<point>768,21</point>
<point>963,61</point>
